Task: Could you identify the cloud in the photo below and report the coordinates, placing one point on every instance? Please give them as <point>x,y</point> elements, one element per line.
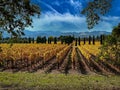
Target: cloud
<point>111,18</point>
<point>70,23</point>
<point>58,22</point>
<point>76,4</point>
<point>107,23</point>
<point>49,6</point>
<point>64,16</point>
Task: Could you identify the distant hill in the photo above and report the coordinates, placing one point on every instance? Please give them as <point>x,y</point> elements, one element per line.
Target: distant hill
<point>58,33</point>
<point>86,34</point>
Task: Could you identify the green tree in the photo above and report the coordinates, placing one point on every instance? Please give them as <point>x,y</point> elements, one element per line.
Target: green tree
<point>29,40</point>
<point>33,40</point>
<point>55,40</point>
<point>110,50</point>
<point>0,36</point>
<point>15,15</point>
<point>0,40</point>
<point>116,31</point>
<point>93,40</point>
<point>79,40</point>
<point>61,38</point>
<point>84,40</point>
<point>94,10</point>
<point>44,39</point>
<point>50,39</point>
<point>89,39</point>
<point>75,41</point>
<point>38,39</point>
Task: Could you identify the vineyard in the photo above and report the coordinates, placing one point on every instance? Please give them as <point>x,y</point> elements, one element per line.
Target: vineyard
<point>62,58</point>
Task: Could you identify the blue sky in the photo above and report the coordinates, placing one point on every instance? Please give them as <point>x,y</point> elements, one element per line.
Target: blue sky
<point>64,16</point>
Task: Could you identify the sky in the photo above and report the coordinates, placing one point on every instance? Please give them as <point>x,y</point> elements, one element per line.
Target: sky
<point>65,16</point>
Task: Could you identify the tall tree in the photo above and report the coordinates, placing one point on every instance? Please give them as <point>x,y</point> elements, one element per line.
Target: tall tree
<point>38,39</point>
<point>15,15</point>
<point>55,40</point>
<point>110,50</point>
<point>116,31</point>
<point>94,10</point>
<point>84,40</point>
<point>93,40</point>
<point>75,41</point>
<point>89,39</point>
<point>79,40</point>
<point>0,37</point>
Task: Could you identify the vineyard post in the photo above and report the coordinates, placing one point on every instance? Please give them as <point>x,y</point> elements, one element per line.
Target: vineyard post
<point>21,63</point>
<point>43,61</point>
<point>27,64</point>
<point>58,59</point>
<point>30,64</point>
<point>7,64</point>
<point>12,64</point>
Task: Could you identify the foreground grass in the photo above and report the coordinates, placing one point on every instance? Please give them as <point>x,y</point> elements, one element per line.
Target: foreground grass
<point>35,81</point>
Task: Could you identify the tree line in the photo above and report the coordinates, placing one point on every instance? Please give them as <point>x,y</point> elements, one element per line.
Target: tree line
<point>63,39</point>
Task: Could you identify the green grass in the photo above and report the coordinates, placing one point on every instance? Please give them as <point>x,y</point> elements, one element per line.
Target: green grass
<point>36,81</point>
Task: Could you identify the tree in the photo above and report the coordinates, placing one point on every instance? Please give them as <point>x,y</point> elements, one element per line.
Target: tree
<point>94,10</point>
<point>93,40</point>
<point>38,39</point>
<point>89,39</point>
<point>0,35</point>
<point>75,41</point>
<point>101,39</point>
<point>61,39</point>
<point>97,38</point>
<point>67,39</point>
<point>79,40</point>
<point>44,39</point>
<point>29,40</point>
<point>33,40</point>
<point>50,39</point>
<point>116,31</point>
<point>110,50</point>
<point>55,40</point>
<point>84,40</point>
<point>15,15</point>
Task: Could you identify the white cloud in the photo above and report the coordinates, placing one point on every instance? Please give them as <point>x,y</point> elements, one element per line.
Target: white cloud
<point>111,18</point>
<point>49,6</point>
<point>72,23</point>
<point>107,23</point>
<point>63,17</point>
<point>76,4</point>
<point>60,22</point>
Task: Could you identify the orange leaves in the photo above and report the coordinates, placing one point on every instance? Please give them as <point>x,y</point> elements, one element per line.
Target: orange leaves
<point>87,50</point>
<point>29,51</point>
<point>60,56</point>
